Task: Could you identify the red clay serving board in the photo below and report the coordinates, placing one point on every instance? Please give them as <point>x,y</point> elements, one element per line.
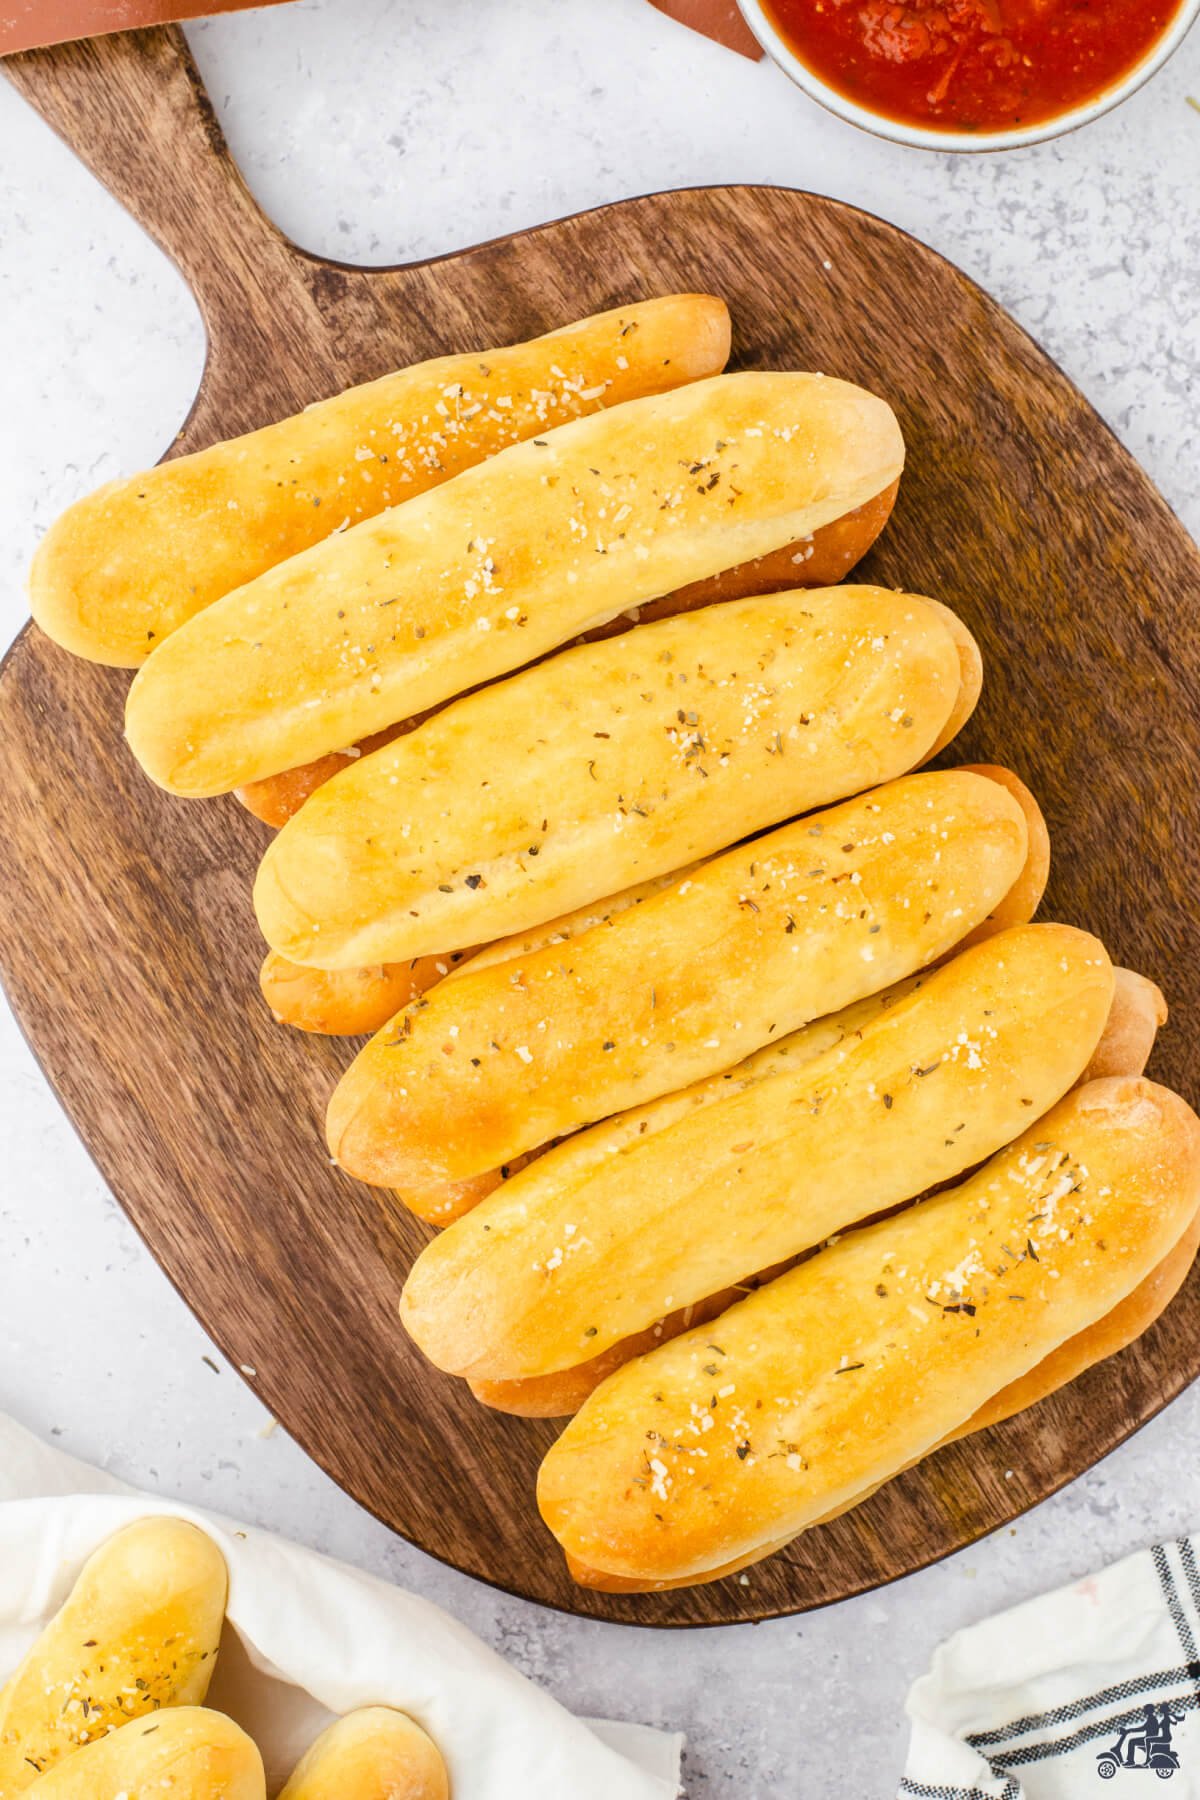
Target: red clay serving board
<point>24,24</point>
<point>128,944</point>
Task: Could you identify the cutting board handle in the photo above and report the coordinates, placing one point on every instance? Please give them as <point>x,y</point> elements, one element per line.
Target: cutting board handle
<point>134,109</point>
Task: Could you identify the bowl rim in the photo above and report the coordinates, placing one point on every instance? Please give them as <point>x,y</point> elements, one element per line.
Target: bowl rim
<point>920,137</point>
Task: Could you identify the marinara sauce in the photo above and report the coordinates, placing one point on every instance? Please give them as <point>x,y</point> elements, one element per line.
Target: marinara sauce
<point>972,65</point>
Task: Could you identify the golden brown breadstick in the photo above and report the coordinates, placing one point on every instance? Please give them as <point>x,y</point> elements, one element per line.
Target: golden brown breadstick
<point>820,561</point>
<point>562,1393</point>
<point>347,1002</point>
<point>443,1202</point>
<point>571,1255</point>
<point>1122,1040</point>
<point>1117,1329</point>
<point>559,1394</point>
<point>970,681</point>
<point>1111,1334</point>
<point>365,999</point>
<point>1123,1326</point>
<point>607,766</point>
<point>138,1631</point>
<point>187,1754</point>
<point>126,566</point>
<point>747,947</point>
<point>1139,1011</point>
<point>498,566</point>
<point>1025,896</point>
<point>277,798</point>
<point>374,1754</point>
<point>837,1375</point>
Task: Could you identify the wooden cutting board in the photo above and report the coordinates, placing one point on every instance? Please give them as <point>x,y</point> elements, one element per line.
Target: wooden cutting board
<point>129,948</point>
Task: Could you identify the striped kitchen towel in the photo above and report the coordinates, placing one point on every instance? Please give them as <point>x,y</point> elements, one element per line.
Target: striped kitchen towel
<point>1093,1690</point>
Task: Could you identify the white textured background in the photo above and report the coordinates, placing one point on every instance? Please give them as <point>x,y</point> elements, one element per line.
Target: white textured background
<point>384,130</point>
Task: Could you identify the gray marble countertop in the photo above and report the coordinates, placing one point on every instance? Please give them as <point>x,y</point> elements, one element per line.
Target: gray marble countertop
<point>385,130</point>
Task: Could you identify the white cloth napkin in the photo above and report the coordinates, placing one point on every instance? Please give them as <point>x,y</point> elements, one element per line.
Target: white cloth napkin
<point>308,1639</point>
<point>1091,1690</point>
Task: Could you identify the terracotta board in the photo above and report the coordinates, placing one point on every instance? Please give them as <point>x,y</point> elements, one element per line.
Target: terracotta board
<point>25,24</point>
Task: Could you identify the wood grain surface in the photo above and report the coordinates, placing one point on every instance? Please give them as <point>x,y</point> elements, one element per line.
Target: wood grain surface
<point>128,942</point>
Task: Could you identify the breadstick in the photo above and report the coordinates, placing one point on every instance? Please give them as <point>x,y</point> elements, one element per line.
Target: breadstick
<point>1118,1329</point>
<point>138,1631</point>
<point>374,1754</point>
<point>344,1002</point>
<point>604,767</point>
<point>1139,1011</point>
<point>1114,1332</point>
<point>1109,1335</point>
<point>277,798</point>
<point>970,681</point>
<point>819,561</point>
<point>126,566</point>
<point>347,1002</point>
<point>441,1202</point>
<point>499,565</point>
<point>1025,896</point>
<point>573,1254</point>
<point>836,1376</point>
<point>751,945</point>
<point>563,1392</point>
<point>188,1754</point>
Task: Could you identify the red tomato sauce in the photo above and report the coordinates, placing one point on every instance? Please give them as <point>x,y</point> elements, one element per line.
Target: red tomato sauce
<point>972,65</point>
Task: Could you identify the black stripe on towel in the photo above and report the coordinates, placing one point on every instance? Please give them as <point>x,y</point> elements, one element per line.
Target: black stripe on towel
<point>1124,1690</point>
<point>1075,1709</point>
<point>1187,1556</point>
<point>1016,1756</point>
<point>1099,1728</point>
<point>1166,1579</point>
<point>1187,1559</point>
<point>920,1790</point>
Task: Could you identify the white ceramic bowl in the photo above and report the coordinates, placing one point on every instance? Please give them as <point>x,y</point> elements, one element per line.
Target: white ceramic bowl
<point>922,138</point>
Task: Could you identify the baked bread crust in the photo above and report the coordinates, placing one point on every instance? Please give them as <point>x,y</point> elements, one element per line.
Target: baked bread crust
<point>870,1354</point>
<point>126,566</point>
<point>586,1246</point>
<point>604,767</point>
<point>520,1049</point>
<point>508,560</point>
